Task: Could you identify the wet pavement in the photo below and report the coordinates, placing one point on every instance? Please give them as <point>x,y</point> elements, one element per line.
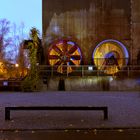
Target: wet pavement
<point>118,134</point>
<point>123,110</point>
<point>123,122</point>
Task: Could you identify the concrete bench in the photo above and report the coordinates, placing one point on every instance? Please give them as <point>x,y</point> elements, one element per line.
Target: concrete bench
<point>66,108</point>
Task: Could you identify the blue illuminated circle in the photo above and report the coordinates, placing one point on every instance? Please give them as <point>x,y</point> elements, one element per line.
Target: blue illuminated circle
<point>110,56</point>
<point>113,41</point>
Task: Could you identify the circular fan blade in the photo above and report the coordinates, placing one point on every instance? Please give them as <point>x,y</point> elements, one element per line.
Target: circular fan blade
<point>56,48</point>
<point>110,56</point>
<point>63,54</point>
<point>58,63</point>
<point>54,57</point>
<point>64,46</point>
<point>76,57</point>
<point>72,50</point>
<point>69,68</point>
<point>60,69</point>
<point>72,62</point>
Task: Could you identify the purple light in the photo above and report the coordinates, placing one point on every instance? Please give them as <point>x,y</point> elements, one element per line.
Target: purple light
<point>113,41</point>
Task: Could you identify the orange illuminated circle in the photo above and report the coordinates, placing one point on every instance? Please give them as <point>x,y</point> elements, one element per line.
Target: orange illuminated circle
<point>64,54</point>
<point>110,56</point>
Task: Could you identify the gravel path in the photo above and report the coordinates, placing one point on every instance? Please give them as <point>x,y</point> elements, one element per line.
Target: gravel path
<point>123,107</point>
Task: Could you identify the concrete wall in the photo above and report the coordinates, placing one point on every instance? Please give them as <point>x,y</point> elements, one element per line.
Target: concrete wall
<point>135,29</point>
<point>94,83</point>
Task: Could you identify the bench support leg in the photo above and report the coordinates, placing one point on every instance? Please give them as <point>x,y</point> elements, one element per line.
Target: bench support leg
<point>7,114</point>
<point>105,114</point>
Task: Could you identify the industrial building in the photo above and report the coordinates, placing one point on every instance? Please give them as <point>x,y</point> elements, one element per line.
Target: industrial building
<point>89,42</point>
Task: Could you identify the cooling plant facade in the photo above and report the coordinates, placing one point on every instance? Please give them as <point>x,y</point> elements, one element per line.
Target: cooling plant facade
<point>91,32</point>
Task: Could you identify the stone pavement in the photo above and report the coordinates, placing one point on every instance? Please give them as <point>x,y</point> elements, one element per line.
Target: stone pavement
<point>123,107</point>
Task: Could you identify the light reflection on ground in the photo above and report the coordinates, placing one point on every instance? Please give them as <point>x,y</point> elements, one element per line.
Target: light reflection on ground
<point>118,134</point>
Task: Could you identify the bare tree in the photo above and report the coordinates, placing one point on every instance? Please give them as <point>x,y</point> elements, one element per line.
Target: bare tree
<point>17,33</point>
<point>4,39</point>
<point>11,52</point>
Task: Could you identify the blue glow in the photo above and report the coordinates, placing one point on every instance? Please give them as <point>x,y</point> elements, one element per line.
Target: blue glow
<point>115,41</point>
<point>110,54</point>
<point>56,29</point>
<point>28,12</point>
<point>79,52</point>
<point>71,43</point>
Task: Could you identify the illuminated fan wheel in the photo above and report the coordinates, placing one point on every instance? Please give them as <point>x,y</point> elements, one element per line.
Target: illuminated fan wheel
<point>110,56</point>
<point>64,55</point>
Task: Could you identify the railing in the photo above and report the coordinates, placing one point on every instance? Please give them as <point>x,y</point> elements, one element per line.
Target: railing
<point>89,70</point>
<point>10,85</point>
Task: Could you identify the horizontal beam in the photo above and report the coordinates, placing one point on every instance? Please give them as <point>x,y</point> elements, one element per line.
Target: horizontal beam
<point>66,108</point>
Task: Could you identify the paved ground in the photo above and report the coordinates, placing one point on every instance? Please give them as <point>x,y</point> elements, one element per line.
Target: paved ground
<point>124,110</point>
<point>71,135</point>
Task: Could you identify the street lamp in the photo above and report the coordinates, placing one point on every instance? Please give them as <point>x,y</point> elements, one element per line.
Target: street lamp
<point>17,71</point>
<point>16,65</point>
